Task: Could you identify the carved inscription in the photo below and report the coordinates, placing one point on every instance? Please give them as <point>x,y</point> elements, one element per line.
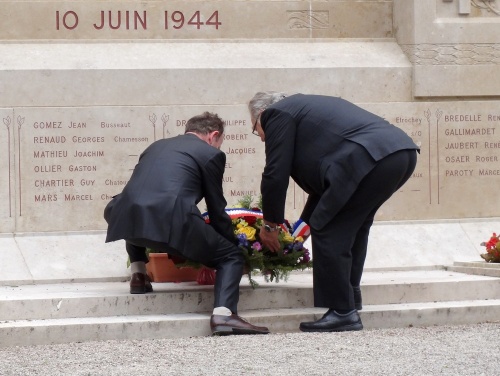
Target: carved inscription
<point>76,162</point>
<point>6,170</point>
<point>72,163</point>
<point>453,54</point>
<point>471,145</point>
<point>460,151</point>
<point>67,164</point>
<point>413,125</point>
<point>138,20</point>
<point>306,19</point>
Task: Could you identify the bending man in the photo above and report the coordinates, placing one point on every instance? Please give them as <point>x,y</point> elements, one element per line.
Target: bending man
<point>350,162</point>
<point>157,209</point>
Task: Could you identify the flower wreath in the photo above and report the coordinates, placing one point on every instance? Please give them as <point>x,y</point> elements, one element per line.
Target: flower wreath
<point>274,266</point>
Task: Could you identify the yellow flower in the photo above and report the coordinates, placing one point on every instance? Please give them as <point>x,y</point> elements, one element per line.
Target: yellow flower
<point>287,238</point>
<point>299,239</point>
<point>248,231</point>
<point>241,224</point>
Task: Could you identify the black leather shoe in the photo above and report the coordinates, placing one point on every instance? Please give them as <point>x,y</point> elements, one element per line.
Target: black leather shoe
<point>357,298</point>
<point>224,325</point>
<point>140,284</point>
<point>334,322</point>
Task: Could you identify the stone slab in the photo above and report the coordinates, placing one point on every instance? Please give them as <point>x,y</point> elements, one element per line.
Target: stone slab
<point>13,267</point>
<point>476,271</point>
<point>39,332</point>
<point>103,299</point>
<point>62,187</point>
<point>102,329</point>
<point>217,19</point>
<point>152,74</point>
<point>41,314</point>
<point>54,258</point>
<point>457,80</point>
<point>453,54</point>
<point>423,243</point>
<point>438,21</point>
<point>73,160</point>
<point>479,264</point>
<point>432,313</point>
<point>48,258</point>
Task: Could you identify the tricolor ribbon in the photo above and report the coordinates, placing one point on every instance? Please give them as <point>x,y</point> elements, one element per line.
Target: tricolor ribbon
<point>300,228</point>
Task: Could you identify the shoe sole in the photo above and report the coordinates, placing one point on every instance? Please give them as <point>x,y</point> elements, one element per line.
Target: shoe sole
<point>138,290</point>
<point>345,328</point>
<point>228,330</point>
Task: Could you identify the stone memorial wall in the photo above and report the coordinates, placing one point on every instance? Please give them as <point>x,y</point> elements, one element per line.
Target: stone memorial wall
<point>85,87</point>
<point>72,161</point>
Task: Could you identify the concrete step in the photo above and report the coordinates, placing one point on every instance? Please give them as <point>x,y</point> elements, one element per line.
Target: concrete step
<point>478,264</point>
<point>68,300</point>
<point>41,332</point>
<point>62,313</point>
<point>476,268</point>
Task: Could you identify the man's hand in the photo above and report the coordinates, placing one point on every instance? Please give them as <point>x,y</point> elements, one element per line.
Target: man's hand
<point>269,239</point>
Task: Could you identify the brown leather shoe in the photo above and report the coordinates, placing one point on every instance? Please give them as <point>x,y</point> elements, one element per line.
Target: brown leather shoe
<point>140,284</point>
<point>234,324</point>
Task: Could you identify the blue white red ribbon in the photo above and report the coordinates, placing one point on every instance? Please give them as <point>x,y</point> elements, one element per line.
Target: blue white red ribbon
<point>238,212</point>
<point>300,228</point>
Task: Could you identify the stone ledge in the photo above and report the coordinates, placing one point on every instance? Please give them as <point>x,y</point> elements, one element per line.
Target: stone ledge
<point>102,74</point>
<point>50,258</point>
<point>482,270</point>
<point>38,332</point>
<point>61,258</point>
<point>330,53</point>
<point>457,80</point>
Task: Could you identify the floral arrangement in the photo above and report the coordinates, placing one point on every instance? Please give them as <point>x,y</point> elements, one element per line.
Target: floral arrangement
<point>492,249</point>
<point>274,266</point>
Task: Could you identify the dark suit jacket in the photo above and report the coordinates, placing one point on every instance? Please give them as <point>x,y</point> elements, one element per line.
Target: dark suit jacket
<point>159,201</point>
<point>327,145</point>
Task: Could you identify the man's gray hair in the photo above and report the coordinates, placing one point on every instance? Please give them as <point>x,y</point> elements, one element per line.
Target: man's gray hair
<point>262,100</point>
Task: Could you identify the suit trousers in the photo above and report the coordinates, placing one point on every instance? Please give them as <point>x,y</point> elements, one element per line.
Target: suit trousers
<point>227,260</point>
<point>339,248</point>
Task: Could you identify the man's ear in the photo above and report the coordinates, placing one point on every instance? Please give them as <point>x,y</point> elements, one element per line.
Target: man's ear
<point>214,136</point>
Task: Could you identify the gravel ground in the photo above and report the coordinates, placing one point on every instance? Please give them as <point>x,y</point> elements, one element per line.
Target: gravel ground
<point>444,350</point>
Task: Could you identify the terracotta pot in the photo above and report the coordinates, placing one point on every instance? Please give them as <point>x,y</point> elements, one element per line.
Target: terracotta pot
<point>162,269</point>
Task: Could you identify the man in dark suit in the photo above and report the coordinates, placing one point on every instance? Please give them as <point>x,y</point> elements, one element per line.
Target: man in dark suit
<point>350,162</point>
<point>157,209</point>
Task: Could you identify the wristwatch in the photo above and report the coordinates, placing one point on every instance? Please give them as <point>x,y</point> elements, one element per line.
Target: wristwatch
<point>270,229</point>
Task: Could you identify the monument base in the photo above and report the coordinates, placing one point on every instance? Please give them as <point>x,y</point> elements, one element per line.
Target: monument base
<point>36,258</point>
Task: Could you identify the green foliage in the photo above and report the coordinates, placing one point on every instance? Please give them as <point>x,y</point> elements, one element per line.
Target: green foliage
<point>246,202</point>
<point>273,266</point>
